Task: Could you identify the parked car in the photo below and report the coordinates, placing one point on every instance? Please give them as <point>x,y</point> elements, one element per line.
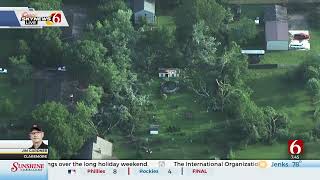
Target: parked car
<point>301,36</point>
<point>62,68</point>
<point>3,71</point>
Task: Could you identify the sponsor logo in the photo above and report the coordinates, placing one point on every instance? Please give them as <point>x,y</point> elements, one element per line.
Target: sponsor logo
<point>26,167</point>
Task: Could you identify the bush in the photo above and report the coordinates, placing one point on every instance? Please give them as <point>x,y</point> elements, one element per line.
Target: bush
<point>313,86</point>
<point>173,129</point>
<point>311,72</point>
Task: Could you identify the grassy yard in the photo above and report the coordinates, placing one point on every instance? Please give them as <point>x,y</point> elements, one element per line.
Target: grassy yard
<point>271,87</point>
<point>184,144</point>
<point>166,20</point>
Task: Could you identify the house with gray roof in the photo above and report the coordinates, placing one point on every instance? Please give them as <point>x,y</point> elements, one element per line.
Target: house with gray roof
<point>276,28</point>
<point>144,9</point>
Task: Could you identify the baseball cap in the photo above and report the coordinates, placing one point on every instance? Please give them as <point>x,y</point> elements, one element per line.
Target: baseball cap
<point>35,127</point>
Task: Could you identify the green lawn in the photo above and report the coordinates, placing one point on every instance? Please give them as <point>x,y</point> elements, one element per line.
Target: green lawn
<point>171,112</point>
<point>270,87</point>
<point>166,21</point>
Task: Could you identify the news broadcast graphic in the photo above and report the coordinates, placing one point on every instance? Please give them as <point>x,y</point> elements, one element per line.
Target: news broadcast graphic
<point>295,148</point>
<point>23,170</point>
<point>24,17</point>
<point>186,169</point>
<point>21,150</point>
<point>147,169</point>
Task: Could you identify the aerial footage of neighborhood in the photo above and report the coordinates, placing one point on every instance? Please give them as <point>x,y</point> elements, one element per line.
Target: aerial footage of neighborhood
<point>165,79</point>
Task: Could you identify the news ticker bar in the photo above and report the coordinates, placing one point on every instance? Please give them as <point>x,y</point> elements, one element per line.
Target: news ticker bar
<point>157,169</point>
<point>24,17</point>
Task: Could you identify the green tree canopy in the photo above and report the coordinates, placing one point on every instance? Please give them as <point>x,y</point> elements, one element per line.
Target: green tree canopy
<point>20,69</point>
<point>192,12</point>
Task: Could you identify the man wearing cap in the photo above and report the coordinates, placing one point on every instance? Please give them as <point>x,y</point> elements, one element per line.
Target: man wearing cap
<point>36,135</point>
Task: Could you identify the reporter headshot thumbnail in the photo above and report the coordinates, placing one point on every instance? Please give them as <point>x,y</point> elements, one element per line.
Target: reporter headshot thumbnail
<point>36,135</point>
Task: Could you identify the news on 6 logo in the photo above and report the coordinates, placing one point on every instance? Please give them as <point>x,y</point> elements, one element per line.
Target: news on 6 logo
<point>295,148</point>
<point>55,18</point>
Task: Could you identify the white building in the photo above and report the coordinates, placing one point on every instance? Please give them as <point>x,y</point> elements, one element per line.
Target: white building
<point>168,72</point>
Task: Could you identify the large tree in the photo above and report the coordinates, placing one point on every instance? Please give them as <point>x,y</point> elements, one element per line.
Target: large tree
<point>92,97</point>
<point>155,48</point>
<point>45,43</point>
<point>117,34</point>
<point>192,12</point>
<point>66,131</point>
<point>242,31</point>
<point>85,60</point>
<point>62,137</point>
<point>20,69</point>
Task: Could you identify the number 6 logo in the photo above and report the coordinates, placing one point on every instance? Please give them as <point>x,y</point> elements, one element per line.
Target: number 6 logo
<point>56,17</point>
<point>295,147</point>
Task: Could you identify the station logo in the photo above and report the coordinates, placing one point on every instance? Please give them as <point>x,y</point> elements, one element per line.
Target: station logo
<point>32,19</point>
<point>295,148</point>
<point>26,167</point>
<point>55,18</point>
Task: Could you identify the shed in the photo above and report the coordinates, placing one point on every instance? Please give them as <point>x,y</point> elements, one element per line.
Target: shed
<point>144,9</point>
<point>154,129</point>
<point>276,28</point>
<point>96,149</point>
<point>254,55</point>
<point>168,72</point>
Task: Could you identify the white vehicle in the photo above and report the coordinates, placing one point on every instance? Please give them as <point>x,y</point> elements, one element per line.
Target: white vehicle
<point>3,71</point>
<point>62,68</point>
<point>257,21</point>
<point>297,45</point>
